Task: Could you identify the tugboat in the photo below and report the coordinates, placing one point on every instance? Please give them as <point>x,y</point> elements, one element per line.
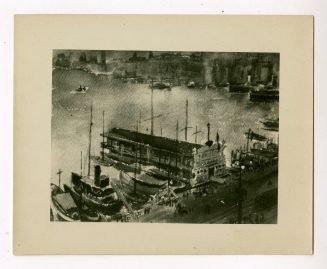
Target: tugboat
<point>97,196</point>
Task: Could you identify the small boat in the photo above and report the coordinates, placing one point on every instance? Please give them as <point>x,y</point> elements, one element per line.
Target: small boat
<point>240,88</point>
<point>80,89</point>
<point>193,85</point>
<point>161,85</point>
<point>142,183</point>
<point>63,205</point>
<point>271,123</point>
<point>86,213</point>
<point>211,86</point>
<point>223,85</point>
<point>102,200</point>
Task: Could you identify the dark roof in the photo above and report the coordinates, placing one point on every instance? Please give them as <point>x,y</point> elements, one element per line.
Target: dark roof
<point>153,141</point>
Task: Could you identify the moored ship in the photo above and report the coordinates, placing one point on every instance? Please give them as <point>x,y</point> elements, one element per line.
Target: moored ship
<point>142,183</point>
<point>63,207</point>
<point>264,95</point>
<point>258,161</point>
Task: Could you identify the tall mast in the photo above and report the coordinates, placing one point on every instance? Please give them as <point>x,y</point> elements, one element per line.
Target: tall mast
<point>177,130</point>
<point>90,139</point>
<point>81,163</point>
<point>103,135</point>
<point>247,140</point>
<point>186,119</point>
<point>152,106</point>
<point>196,134</point>
<point>59,175</point>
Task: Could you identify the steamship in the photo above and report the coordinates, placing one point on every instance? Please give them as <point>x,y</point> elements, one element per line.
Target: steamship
<point>94,192</point>
<point>258,161</point>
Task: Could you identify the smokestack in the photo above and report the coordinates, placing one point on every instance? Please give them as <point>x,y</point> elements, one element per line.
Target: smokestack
<point>97,174</point>
<point>209,142</point>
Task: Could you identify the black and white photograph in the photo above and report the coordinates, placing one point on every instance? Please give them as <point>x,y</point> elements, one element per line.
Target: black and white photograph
<point>165,136</point>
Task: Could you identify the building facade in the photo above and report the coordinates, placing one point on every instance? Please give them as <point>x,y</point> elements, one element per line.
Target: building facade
<point>173,156</point>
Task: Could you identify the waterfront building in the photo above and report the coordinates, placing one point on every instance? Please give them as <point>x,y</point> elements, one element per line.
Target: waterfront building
<point>171,155</point>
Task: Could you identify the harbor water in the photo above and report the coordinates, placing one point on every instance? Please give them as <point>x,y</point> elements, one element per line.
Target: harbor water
<point>231,115</point>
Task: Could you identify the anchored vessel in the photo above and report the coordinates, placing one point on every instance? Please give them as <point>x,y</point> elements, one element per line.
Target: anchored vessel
<point>80,89</point>
<point>94,192</point>
<point>264,95</point>
<point>259,161</point>
<point>63,206</point>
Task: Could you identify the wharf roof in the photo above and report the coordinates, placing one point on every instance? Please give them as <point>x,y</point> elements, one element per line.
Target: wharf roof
<point>158,142</point>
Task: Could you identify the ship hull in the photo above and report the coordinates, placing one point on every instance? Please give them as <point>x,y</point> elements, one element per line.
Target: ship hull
<point>264,96</point>
<point>109,208</point>
<point>134,186</point>
<point>240,88</point>
<point>259,174</point>
<point>59,212</point>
